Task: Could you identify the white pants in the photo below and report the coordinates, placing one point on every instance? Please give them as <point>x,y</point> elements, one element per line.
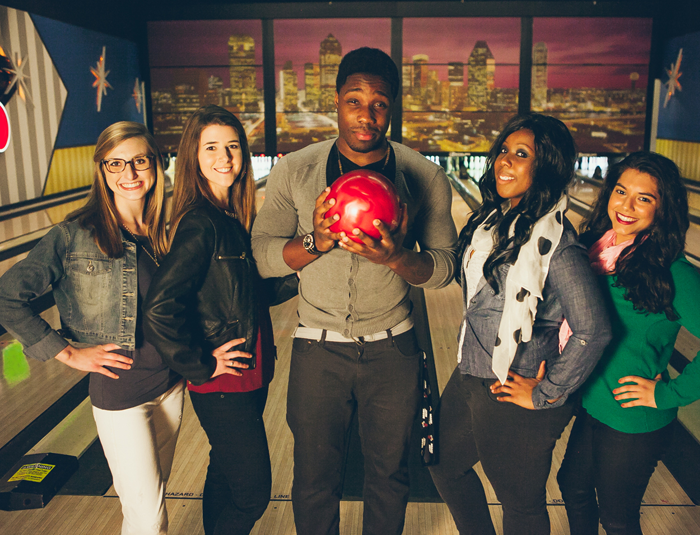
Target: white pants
<point>139,444</point>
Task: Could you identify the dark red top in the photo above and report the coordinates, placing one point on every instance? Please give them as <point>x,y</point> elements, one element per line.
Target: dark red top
<point>265,355</point>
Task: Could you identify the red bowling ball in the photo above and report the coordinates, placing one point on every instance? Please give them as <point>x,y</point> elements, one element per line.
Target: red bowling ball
<point>362,196</point>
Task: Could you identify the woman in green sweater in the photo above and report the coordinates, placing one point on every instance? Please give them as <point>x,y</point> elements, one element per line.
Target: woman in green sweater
<point>636,235</point>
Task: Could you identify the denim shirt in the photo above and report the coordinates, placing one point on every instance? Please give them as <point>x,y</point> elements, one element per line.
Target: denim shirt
<point>96,295</point>
<point>570,291</point>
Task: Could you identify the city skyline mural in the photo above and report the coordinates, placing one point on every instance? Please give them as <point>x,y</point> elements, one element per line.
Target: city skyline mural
<point>194,63</point>
<point>592,73</point>
<point>307,55</point>
<point>460,81</point>
<point>460,77</point>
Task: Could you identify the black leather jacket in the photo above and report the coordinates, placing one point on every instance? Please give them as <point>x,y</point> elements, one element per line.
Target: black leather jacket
<point>203,294</point>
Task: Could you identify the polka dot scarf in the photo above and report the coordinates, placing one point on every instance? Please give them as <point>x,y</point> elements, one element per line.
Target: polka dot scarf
<point>524,283</point>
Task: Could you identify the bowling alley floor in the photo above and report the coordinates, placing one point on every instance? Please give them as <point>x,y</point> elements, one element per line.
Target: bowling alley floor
<point>667,510</point>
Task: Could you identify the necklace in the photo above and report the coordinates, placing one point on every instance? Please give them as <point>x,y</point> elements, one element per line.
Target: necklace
<point>386,158</point>
<point>138,242</point>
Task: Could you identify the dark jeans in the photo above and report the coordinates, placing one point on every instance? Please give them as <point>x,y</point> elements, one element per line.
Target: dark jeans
<point>328,382</point>
<point>239,477</point>
<point>617,465</point>
<point>514,446</point>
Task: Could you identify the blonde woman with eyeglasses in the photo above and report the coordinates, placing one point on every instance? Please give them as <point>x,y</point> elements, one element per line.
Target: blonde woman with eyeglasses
<point>99,263</point>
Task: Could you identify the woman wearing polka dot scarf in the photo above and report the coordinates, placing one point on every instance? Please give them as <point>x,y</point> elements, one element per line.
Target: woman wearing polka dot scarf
<point>522,272</point>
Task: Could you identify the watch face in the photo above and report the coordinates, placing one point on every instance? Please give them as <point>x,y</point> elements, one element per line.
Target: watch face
<point>309,244</point>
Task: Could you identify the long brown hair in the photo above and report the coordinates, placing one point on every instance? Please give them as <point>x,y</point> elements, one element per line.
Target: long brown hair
<point>191,187</point>
<point>100,216</point>
<point>644,270</point>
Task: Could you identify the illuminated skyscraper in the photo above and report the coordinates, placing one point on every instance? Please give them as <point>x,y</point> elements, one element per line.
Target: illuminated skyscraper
<point>330,56</point>
<point>186,100</point>
<point>539,76</point>
<point>433,95</point>
<point>241,61</point>
<point>289,91</point>
<point>312,86</point>
<point>406,75</point>
<point>444,88</point>
<point>455,75</point>
<point>482,67</point>
<point>214,94</point>
<point>420,76</point>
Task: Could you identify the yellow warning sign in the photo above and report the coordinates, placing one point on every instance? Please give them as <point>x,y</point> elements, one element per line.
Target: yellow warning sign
<point>35,472</point>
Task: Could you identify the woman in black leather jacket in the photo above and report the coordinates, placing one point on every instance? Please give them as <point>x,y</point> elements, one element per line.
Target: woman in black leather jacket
<point>205,300</point>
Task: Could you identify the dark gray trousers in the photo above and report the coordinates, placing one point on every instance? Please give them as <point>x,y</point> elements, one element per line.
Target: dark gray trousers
<point>514,446</point>
<point>613,465</point>
<point>239,477</point>
<point>328,382</point>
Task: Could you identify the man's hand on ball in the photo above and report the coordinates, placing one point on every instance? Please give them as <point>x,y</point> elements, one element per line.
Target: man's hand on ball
<point>388,250</point>
<point>323,237</point>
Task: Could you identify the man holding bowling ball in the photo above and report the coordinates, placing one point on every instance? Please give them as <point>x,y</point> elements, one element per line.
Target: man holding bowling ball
<point>355,348</point>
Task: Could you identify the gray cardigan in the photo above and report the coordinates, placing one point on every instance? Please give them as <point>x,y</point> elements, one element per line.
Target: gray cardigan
<point>340,291</point>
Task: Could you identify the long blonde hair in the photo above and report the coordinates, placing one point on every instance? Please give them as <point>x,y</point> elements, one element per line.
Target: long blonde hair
<point>100,215</point>
<point>191,187</point>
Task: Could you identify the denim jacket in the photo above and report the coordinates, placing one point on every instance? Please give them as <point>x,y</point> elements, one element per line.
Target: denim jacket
<point>570,291</point>
<point>96,296</point>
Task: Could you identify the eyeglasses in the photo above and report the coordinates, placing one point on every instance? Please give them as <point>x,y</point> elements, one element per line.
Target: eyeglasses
<point>117,165</point>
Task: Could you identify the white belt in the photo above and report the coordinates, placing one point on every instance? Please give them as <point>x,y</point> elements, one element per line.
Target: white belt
<point>309,333</point>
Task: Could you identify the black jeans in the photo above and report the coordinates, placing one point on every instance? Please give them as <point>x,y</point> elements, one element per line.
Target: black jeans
<point>514,446</point>
<point>239,477</point>
<point>328,382</point>
<point>617,465</point>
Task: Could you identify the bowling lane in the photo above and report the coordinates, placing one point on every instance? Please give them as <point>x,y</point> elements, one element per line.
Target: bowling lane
<point>67,515</point>
<point>29,387</point>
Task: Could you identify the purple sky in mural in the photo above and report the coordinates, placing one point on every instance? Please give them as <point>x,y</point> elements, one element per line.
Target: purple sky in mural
<point>446,40</point>
<point>299,41</point>
<point>622,43</point>
<point>198,42</point>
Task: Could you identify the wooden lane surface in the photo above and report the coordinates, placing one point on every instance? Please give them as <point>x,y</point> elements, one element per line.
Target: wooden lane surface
<point>68,515</point>
<point>28,387</point>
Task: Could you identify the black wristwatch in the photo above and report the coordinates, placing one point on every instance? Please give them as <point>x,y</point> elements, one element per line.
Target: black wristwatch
<point>310,244</point>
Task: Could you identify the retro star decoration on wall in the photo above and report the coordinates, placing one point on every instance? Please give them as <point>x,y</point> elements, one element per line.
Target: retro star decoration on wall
<point>674,73</point>
<point>138,95</point>
<point>100,75</point>
<point>6,76</point>
<point>14,68</point>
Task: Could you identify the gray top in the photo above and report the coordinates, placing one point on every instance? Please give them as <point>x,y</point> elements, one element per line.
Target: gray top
<point>345,292</point>
<point>570,291</point>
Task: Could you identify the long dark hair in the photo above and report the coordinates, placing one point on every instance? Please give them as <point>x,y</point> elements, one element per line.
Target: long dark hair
<point>644,270</point>
<point>553,170</point>
<point>191,187</point>
<point>100,215</point>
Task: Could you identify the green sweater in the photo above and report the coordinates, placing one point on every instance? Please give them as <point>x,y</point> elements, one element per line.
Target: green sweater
<point>642,345</point>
